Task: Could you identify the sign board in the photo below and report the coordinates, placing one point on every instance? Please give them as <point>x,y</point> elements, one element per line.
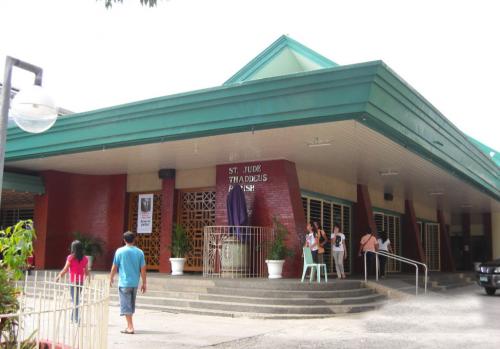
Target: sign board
<point>145,214</point>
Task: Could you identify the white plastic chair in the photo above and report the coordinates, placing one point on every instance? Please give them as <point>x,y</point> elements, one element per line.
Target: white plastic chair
<point>309,263</point>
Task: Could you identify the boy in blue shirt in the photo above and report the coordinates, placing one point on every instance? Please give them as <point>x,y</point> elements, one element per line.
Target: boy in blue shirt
<point>130,264</point>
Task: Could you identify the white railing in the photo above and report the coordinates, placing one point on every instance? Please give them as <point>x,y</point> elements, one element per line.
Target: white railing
<point>400,259</point>
<point>49,318</point>
<point>235,251</point>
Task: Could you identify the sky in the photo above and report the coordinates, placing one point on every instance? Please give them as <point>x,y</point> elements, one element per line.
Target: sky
<point>449,51</point>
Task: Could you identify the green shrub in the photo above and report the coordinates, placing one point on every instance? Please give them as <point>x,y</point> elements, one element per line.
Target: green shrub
<point>277,249</point>
<point>91,246</point>
<point>16,245</point>
<point>180,242</point>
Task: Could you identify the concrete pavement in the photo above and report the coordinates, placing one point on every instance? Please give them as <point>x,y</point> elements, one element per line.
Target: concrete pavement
<point>462,318</point>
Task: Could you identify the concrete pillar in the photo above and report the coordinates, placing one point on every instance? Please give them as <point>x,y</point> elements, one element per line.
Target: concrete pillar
<point>412,245</point>
<point>40,224</point>
<point>495,234</point>
<point>466,222</point>
<point>488,238</point>
<point>447,261</point>
<point>363,219</point>
<point>167,218</point>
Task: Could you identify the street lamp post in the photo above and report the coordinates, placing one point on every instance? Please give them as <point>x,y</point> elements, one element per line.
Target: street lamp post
<point>42,107</point>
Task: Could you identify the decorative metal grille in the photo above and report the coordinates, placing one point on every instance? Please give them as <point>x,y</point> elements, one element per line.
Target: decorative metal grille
<point>149,243</point>
<point>196,210</point>
<point>392,225</point>
<point>235,252</point>
<point>328,213</point>
<point>432,246</point>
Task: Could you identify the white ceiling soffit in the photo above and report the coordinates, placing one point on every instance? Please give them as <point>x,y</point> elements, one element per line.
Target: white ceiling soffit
<point>356,155</point>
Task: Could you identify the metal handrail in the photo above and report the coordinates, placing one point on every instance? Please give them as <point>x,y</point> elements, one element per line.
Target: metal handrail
<point>395,257</point>
<point>388,254</point>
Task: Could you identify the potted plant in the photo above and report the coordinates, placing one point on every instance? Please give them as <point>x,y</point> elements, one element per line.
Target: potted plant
<point>277,251</point>
<point>92,247</point>
<point>16,245</point>
<point>179,248</point>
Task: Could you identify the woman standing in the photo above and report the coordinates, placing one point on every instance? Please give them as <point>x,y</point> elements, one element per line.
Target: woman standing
<point>339,250</point>
<point>322,241</point>
<point>77,264</point>
<point>384,244</point>
<point>312,241</point>
<point>368,244</point>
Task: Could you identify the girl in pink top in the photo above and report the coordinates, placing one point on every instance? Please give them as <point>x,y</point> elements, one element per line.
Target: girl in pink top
<point>77,264</point>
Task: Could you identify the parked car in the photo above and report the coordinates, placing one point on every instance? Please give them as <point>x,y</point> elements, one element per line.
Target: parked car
<point>488,276</point>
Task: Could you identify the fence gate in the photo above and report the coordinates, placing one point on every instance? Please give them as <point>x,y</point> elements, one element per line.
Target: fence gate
<point>195,210</point>
<point>149,243</point>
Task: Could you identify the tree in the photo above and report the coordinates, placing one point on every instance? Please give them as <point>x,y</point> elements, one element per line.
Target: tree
<point>150,3</point>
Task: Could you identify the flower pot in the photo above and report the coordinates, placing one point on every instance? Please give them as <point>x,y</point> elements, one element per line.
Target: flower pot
<point>177,265</point>
<point>275,268</point>
<point>91,261</point>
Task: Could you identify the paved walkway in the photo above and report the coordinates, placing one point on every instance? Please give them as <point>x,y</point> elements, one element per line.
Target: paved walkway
<point>463,318</point>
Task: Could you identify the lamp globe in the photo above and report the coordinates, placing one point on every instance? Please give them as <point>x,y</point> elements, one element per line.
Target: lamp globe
<point>34,110</point>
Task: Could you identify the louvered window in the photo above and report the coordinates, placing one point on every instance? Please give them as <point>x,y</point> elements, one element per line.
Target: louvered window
<point>11,216</point>
<point>432,246</point>
<point>327,213</point>
<point>392,225</point>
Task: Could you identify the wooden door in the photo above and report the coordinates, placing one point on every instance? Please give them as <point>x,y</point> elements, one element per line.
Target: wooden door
<point>195,210</point>
<point>149,243</point>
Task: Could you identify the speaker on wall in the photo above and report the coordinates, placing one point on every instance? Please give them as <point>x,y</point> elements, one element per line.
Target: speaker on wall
<point>166,173</point>
<point>388,197</point>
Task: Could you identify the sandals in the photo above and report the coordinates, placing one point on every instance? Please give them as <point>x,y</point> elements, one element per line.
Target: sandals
<point>126,331</point>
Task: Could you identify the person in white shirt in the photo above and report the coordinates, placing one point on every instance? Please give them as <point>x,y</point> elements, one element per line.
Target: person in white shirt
<point>384,244</point>
<point>339,250</point>
<point>312,241</point>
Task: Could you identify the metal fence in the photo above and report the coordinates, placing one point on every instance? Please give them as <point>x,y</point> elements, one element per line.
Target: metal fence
<point>61,314</point>
<point>235,252</point>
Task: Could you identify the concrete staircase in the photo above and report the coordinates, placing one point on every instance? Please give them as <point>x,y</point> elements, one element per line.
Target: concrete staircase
<point>437,281</point>
<point>447,281</point>
<point>257,298</point>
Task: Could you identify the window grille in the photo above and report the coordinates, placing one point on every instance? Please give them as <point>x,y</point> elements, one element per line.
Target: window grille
<point>11,216</point>
<point>392,225</point>
<point>329,212</point>
<point>432,247</point>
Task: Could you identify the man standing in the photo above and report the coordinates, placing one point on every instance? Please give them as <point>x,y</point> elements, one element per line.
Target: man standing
<point>130,263</point>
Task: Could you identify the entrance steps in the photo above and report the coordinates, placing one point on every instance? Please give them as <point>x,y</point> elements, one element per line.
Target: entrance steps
<point>257,298</point>
<point>437,281</point>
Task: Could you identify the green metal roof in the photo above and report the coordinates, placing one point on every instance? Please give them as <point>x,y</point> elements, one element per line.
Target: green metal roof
<point>284,56</point>
<point>489,152</point>
<point>370,93</point>
<point>23,183</point>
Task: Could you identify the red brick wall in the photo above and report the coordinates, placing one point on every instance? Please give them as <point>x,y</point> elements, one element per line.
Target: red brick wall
<point>40,223</point>
<point>278,196</point>
<point>93,205</point>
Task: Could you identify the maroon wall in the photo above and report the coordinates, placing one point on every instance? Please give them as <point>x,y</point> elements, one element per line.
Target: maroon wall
<point>447,261</point>
<point>276,194</point>
<point>93,205</point>
<point>167,219</point>
<point>363,218</point>
<point>412,244</point>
